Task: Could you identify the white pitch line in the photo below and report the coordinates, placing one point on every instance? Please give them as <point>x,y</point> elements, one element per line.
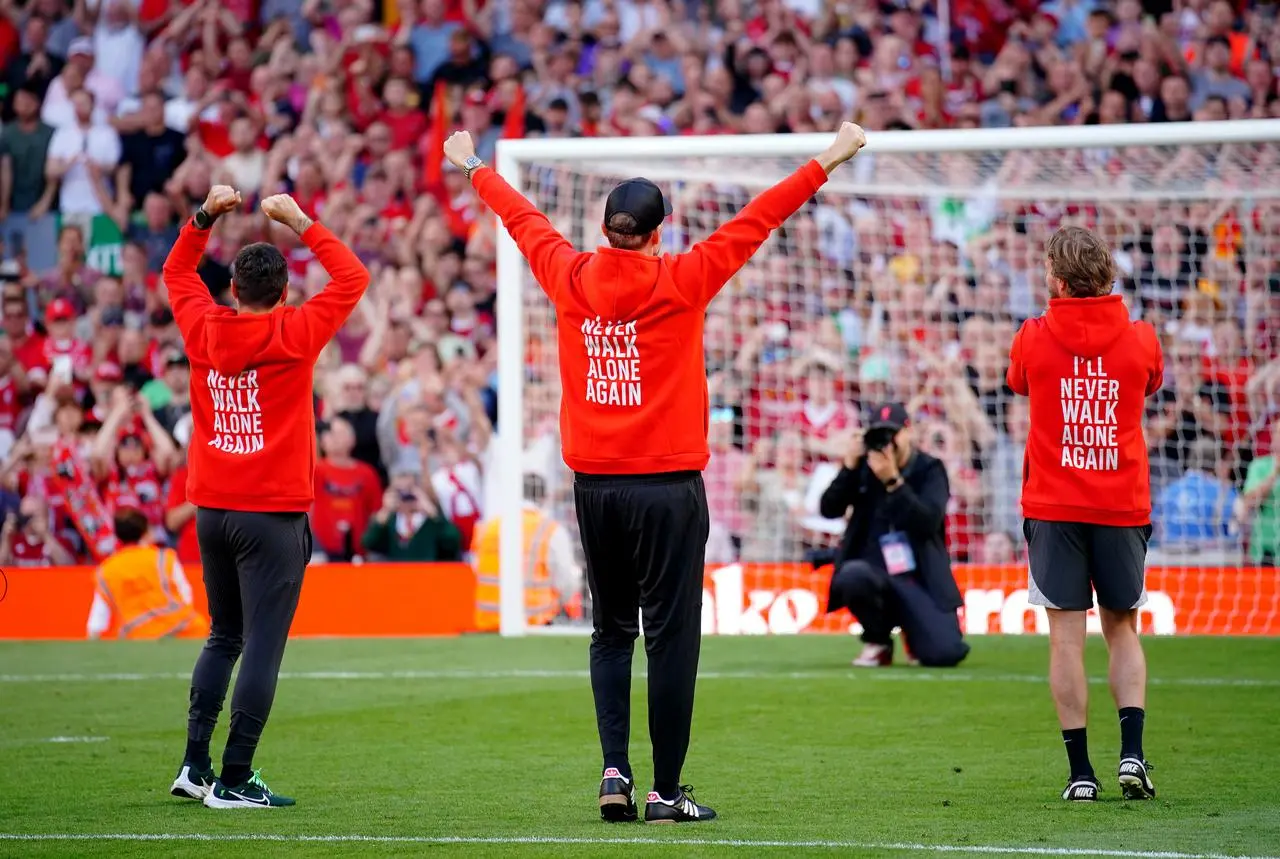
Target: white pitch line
<point>909,676</point>
<point>901,847</point>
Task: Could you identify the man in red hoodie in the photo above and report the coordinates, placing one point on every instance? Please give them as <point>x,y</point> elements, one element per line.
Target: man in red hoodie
<point>1086,490</point>
<point>634,426</point>
<point>252,459</point>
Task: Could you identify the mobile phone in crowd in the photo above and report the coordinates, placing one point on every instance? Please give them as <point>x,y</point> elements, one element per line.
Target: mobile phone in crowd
<point>62,369</point>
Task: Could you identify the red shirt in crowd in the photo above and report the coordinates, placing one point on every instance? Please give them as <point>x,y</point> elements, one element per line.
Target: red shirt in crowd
<point>29,551</point>
<point>1088,370</point>
<point>138,486</point>
<point>346,497</point>
<point>629,328</point>
<point>188,547</point>
<point>80,353</point>
<point>10,403</point>
<point>30,352</point>
<point>253,443</point>
<point>407,126</point>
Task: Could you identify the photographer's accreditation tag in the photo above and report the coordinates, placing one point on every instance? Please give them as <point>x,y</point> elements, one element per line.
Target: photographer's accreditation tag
<point>898,557</point>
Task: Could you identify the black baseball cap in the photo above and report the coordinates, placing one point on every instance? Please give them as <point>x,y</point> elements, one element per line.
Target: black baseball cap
<point>888,416</point>
<point>642,200</point>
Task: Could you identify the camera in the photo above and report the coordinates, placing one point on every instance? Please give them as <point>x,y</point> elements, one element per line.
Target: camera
<point>878,438</point>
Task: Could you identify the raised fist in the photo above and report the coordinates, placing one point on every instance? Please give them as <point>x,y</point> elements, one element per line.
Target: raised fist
<point>849,139</point>
<point>458,148</point>
<point>221,199</point>
<point>283,209</point>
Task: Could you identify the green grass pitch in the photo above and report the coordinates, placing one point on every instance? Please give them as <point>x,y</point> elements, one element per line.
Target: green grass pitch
<point>486,747</point>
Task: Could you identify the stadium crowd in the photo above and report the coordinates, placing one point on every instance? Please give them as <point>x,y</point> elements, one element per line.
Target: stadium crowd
<point>119,114</point>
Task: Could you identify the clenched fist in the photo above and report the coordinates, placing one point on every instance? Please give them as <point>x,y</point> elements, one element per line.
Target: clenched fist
<point>221,199</point>
<point>849,140</point>
<point>458,148</point>
<point>285,210</point>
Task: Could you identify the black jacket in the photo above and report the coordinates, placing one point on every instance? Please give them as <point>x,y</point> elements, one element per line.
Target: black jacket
<point>918,508</point>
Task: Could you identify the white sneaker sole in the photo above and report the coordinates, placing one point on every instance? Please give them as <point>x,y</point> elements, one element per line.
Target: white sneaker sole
<point>211,801</point>
<point>185,788</point>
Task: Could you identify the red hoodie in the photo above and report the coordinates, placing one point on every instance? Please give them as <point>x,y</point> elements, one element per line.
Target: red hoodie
<point>629,327</point>
<point>1087,369</point>
<point>253,439</point>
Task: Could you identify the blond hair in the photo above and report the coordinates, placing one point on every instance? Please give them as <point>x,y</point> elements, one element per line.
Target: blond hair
<point>1082,261</point>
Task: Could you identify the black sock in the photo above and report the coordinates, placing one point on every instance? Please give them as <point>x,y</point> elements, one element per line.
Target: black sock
<point>1078,753</point>
<point>233,775</point>
<point>1131,722</point>
<point>666,791</point>
<point>619,763</point>
<point>198,755</point>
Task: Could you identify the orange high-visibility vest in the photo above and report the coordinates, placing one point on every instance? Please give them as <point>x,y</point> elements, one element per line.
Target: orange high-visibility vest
<point>540,599</point>
<point>137,583</point>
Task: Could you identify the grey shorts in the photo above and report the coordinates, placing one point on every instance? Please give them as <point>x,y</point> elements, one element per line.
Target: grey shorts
<point>1070,561</point>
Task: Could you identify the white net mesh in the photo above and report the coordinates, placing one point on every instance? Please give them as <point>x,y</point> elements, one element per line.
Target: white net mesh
<point>905,280</point>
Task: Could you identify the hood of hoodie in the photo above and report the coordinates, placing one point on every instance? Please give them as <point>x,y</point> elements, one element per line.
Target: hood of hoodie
<point>1086,327</point>
<point>617,283</point>
<point>235,341</point>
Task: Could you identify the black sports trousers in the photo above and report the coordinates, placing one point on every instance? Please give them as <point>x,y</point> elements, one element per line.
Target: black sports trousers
<point>645,541</point>
<point>253,568</point>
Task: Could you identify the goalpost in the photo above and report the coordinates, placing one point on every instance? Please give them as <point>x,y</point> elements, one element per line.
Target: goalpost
<point>904,280</point>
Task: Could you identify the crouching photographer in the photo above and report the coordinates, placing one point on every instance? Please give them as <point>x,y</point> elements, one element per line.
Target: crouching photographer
<point>893,569</point>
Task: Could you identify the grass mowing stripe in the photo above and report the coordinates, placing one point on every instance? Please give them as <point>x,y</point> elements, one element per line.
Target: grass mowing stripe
<point>901,847</point>
<point>558,674</point>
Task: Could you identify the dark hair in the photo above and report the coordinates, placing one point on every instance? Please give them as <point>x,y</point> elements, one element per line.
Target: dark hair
<point>535,487</point>
<point>130,525</point>
<point>260,274</point>
<point>621,233</point>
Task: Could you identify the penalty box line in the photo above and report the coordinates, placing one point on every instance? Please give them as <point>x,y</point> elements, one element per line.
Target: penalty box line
<point>904,675</point>
<point>533,841</point>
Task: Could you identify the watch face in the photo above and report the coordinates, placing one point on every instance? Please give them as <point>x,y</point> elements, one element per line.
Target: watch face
<point>473,162</point>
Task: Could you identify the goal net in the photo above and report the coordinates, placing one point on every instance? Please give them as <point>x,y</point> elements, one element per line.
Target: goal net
<point>904,280</point>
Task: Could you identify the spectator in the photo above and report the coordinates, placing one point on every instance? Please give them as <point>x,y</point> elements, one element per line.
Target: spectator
<point>998,550</point>
<point>117,42</point>
<point>179,513</point>
<point>26,195</point>
<point>149,156</point>
<point>26,541</point>
<point>157,231</point>
<point>409,525</point>
<point>1261,504</point>
<point>80,72</point>
<point>1194,513</point>
<point>429,37</point>
<point>245,167</point>
<point>348,493</point>
<point>32,70</point>
<point>725,477</point>
<point>82,155</point>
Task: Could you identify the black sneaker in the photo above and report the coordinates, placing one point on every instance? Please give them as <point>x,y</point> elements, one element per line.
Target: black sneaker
<point>681,809</point>
<point>192,782</point>
<point>617,797</point>
<point>1081,789</point>
<point>1134,781</point>
<point>254,793</point>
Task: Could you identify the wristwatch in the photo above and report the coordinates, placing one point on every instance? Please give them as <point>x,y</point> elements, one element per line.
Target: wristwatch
<point>894,484</point>
<point>202,219</point>
<point>470,166</point>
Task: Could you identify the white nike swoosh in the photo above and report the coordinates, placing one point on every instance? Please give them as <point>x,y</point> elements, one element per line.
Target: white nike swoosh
<point>263,801</point>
